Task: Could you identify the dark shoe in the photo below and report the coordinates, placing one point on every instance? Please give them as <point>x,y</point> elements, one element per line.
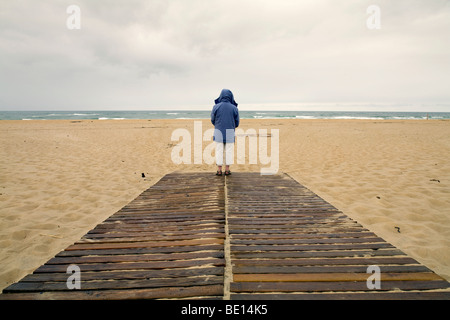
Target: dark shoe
<point>218,173</point>
<point>227,172</point>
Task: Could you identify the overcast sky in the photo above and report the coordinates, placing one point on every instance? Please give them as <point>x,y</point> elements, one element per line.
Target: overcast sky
<point>178,54</point>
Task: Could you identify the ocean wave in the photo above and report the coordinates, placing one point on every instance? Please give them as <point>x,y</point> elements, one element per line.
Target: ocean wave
<point>273,117</point>
<point>105,118</point>
<point>306,117</point>
<point>357,118</point>
<point>406,118</point>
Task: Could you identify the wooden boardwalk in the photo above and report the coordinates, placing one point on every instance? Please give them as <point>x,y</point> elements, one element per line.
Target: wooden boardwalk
<point>288,243</point>
<point>167,243</point>
<point>285,243</point>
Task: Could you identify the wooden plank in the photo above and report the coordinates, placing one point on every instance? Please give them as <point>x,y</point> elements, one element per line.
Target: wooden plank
<point>347,276</point>
<point>303,235</point>
<point>334,286</point>
<point>127,274</point>
<point>117,284</point>
<point>309,247</point>
<point>164,217</point>
<point>138,238</point>
<point>156,233</point>
<point>136,258</point>
<point>186,219</point>
<point>307,230</point>
<point>327,269</point>
<point>145,244</point>
<point>158,293</point>
<point>315,254</point>
<point>134,265</point>
<point>285,210</point>
<point>153,224</point>
<point>300,226</point>
<point>325,261</point>
<point>294,223</point>
<point>148,227</point>
<point>305,241</point>
<point>406,295</point>
<point>125,251</point>
<point>169,227</point>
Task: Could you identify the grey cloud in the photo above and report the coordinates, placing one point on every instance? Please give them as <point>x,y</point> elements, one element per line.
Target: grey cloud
<point>140,52</point>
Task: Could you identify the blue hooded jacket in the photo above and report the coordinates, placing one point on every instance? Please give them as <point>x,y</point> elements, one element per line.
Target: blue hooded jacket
<point>225,117</point>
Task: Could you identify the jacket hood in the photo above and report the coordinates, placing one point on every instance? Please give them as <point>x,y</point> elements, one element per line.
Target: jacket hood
<point>226,96</point>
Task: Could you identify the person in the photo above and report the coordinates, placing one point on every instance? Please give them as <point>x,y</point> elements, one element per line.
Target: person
<point>225,118</point>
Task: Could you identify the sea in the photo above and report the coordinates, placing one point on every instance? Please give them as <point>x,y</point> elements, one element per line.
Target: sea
<point>205,114</point>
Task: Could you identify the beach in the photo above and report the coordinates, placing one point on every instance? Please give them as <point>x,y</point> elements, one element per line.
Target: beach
<point>60,178</point>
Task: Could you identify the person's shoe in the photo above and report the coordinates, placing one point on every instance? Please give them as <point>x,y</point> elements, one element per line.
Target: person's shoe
<point>218,173</point>
<point>227,172</point>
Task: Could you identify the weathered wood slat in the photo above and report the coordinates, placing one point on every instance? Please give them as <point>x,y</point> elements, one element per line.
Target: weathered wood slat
<point>165,217</point>
<point>133,265</point>
<point>162,230</point>
<point>283,220</point>
<point>306,230</point>
<point>136,258</point>
<point>155,233</point>
<point>128,275</point>
<point>300,226</point>
<point>324,261</point>
<point>405,295</point>
<point>145,244</point>
<point>311,247</point>
<point>332,277</point>
<point>304,241</point>
<point>146,227</point>
<point>130,294</point>
<point>150,238</point>
<point>258,224</point>
<point>334,286</point>
<point>315,254</point>
<point>327,269</point>
<point>264,236</point>
<point>117,284</point>
<point>153,250</point>
<point>155,224</point>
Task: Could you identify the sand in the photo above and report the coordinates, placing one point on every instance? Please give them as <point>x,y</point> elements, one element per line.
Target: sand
<point>59,179</point>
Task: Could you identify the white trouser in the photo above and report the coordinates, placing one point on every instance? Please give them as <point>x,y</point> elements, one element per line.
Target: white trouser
<point>229,153</point>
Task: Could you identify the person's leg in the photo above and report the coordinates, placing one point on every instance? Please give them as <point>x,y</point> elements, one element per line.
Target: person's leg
<point>229,156</point>
<point>219,156</point>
